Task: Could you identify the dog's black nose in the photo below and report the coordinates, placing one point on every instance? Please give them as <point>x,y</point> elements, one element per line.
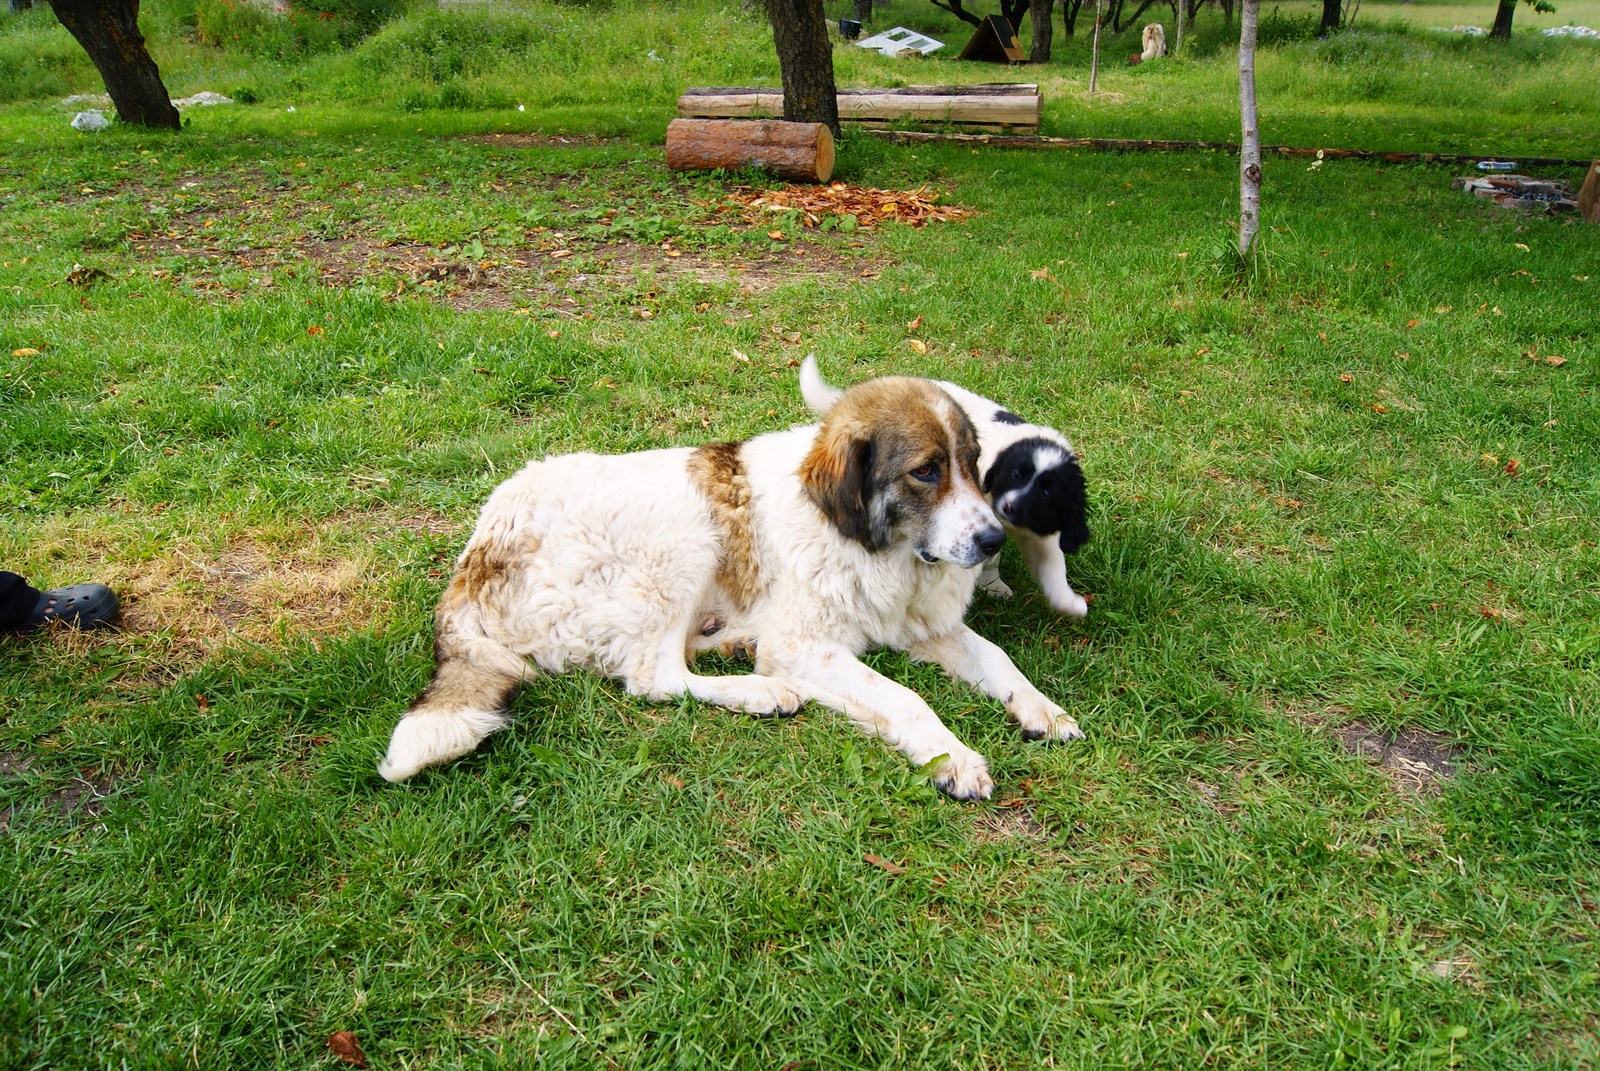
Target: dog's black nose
<point>990,540</point>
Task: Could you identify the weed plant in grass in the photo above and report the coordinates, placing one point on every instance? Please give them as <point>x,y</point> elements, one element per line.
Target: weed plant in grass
<point>260,375</point>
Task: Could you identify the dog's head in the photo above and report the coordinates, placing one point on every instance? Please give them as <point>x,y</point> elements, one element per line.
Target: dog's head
<point>895,464</point>
<point>1037,484</point>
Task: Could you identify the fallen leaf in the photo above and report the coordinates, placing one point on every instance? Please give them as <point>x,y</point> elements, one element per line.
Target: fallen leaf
<point>1442,309</point>
<point>1522,247</point>
<point>343,1044</point>
<point>776,236</point>
<point>26,351</point>
<point>1345,377</point>
<point>741,355</point>
<point>879,861</point>
<point>1511,467</point>
<point>1379,407</point>
<point>1554,360</point>
<point>559,253</point>
<point>917,345</point>
<point>1412,323</point>
<point>914,324</point>
<point>314,330</point>
<point>1490,613</point>
<point>1202,351</point>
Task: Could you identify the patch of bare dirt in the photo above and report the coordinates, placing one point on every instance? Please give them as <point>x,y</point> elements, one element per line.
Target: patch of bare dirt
<point>1010,820</point>
<point>1415,761</point>
<point>261,588</point>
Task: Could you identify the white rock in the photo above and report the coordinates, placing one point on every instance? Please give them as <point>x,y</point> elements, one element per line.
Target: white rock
<point>202,99</point>
<point>90,121</point>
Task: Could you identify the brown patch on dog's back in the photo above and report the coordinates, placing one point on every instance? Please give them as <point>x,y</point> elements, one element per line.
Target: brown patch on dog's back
<point>718,471</point>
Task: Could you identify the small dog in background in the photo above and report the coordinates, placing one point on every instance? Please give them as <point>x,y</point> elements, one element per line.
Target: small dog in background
<point>1032,479</point>
<point>1154,44</point>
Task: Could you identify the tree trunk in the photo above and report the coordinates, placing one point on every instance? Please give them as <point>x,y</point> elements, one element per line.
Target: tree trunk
<point>1250,140</point>
<point>20,6</point>
<point>1069,15</point>
<point>1502,20</point>
<point>1330,17</point>
<point>1182,6</point>
<point>109,33</point>
<point>1039,48</point>
<point>805,56</point>
<point>1094,54</point>
<point>1013,10</point>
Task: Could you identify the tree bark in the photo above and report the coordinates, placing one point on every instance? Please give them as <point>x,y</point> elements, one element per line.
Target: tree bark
<point>805,56</point>
<point>109,33</point>
<point>1013,10</point>
<point>1330,17</point>
<point>1182,6</point>
<point>1250,139</point>
<point>1094,54</point>
<point>1039,47</point>
<point>1502,20</point>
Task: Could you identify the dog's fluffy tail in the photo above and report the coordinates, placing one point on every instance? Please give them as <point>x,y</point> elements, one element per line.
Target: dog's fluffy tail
<point>818,392</point>
<point>473,681</point>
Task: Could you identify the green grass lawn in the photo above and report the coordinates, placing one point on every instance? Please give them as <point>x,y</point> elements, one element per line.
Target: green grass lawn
<point>1339,805</point>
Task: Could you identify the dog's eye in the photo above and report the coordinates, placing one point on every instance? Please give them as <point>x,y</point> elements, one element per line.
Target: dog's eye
<point>928,473</point>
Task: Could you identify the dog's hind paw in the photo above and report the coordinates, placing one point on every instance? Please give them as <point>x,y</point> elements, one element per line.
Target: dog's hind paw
<point>964,776</point>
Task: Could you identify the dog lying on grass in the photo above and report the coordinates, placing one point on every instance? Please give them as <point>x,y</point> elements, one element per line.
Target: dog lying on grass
<point>808,546</point>
<point>1033,482</point>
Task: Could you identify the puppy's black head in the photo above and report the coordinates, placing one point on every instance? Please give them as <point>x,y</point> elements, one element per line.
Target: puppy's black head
<point>1037,484</point>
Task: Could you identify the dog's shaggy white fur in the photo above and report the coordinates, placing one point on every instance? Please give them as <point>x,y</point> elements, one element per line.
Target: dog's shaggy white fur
<point>1033,481</point>
<point>1154,40</point>
<point>808,546</point>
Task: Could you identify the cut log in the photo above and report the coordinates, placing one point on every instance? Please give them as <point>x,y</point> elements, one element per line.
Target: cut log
<point>799,152</point>
<point>995,107</point>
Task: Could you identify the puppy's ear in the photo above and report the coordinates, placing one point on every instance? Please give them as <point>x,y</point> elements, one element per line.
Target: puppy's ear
<point>837,475</point>
<point>1074,508</point>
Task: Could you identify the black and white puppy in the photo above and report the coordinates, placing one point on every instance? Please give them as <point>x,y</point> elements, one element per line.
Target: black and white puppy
<point>1033,482</point>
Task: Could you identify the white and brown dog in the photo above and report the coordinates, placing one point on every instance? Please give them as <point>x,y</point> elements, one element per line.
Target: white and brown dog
<point>1033,481</point>
<point>809,546</point>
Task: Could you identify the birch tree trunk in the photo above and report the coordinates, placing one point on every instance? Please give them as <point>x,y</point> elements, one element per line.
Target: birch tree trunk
<point>1094,58</point>
<point>1183,5</point>
<point>1250,132</point>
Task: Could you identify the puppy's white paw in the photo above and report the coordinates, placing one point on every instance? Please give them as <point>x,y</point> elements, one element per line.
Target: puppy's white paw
<point>1070,603</point>
<point>964,776</point>
<point>1041,719</point>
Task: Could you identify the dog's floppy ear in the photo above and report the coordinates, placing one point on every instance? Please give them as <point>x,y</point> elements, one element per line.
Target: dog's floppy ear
<point>837,475</point>
<point>1074,509</point>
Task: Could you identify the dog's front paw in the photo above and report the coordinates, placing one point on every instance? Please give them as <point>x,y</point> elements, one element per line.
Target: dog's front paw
<point>1041,719</point>
<point>1070,603</point>
<point>773,699</point>
<point>964,776</point>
